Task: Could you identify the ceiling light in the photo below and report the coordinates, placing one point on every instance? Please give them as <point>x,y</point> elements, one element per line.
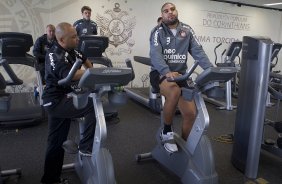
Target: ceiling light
<point>273,4</point>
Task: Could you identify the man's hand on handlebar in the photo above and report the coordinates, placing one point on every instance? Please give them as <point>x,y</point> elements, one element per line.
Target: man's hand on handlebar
<point>172,75</point>
<point>87,64</point>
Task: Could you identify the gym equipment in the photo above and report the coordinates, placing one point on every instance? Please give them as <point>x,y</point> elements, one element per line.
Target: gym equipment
<point>228,56</point>
<point>93,47</point>
<point>6,173</point>
<point>217,92</point>
<point>194,162</point>
<point>255,67</point>
<point>96,82</point>
<point>18,109</point>
<point>147,96</point>
<point>274,75</point>
<point>268,144</point>
<point>274,58</point>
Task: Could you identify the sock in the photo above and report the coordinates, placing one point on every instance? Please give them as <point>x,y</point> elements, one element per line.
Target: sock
<point>167,128</point>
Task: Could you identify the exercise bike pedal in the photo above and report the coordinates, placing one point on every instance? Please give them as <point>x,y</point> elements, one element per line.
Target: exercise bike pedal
<point>143,156</point>
<point>70,147</point>
<point>269,142</point>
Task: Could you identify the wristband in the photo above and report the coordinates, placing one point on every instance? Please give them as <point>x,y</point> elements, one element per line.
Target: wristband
<point>80,56</point>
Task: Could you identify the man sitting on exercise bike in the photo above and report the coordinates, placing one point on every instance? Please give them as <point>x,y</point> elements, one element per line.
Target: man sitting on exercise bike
<point>169,49</point>
<point>60,108</point>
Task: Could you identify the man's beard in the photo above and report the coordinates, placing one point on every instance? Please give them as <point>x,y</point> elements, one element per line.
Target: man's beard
<point>171,22</point>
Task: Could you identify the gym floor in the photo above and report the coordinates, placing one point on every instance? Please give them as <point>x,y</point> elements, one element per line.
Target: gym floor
<point>135,133</point>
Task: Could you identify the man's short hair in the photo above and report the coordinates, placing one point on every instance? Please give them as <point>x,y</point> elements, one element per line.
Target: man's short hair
<point>159,19</point>
<point>51,26</point>
<point>61,29</point>
<point>165,5</point>
<point>85,8</point>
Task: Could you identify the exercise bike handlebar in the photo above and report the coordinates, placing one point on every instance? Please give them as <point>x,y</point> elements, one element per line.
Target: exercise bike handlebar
<point>11,73</point>
<point>143,60</point>
<point>272,89</point>
<point>129,65</point>
<point>215,52</point>
<point>186,75</point>
<point>67,80</point>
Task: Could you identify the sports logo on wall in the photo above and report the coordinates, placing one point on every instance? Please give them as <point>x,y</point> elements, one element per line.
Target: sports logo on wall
<point>25,16</point>
<point>117,25</point>
<point>19,16</point>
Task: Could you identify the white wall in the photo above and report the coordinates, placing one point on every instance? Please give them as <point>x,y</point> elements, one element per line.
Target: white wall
<point>137,18</point>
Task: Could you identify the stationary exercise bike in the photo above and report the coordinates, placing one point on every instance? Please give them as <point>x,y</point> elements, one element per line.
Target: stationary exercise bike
<point>93,47</point>
<point>218,93</point>
<point>96,82</point>
<point>194,162</point>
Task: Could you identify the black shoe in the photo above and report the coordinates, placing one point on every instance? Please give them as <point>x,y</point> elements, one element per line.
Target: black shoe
<point>62,181</point>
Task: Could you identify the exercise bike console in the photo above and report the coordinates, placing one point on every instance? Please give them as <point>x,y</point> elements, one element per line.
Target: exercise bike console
<point>94,77</point>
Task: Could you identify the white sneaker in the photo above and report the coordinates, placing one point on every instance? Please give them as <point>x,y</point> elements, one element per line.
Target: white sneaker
<point>169,143</point>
